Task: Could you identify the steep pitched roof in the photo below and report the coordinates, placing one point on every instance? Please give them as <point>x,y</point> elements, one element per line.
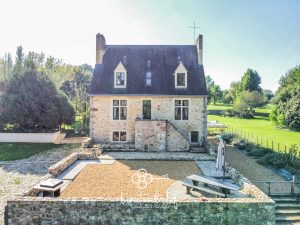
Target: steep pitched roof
<point>164,61</point>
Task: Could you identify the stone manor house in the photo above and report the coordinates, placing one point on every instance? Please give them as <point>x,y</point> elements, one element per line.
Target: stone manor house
<point>152,97</point>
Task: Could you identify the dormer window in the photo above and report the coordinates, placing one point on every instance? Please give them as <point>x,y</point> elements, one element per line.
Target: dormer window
<point>148,79</point>
<point>120,76</point>
<point>181,76</point>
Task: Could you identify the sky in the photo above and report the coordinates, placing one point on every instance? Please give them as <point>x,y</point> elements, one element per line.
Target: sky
<point>263,35</point>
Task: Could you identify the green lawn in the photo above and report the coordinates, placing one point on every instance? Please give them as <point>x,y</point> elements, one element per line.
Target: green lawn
<point>14,151</point>
<point>219,106</point>
<point>261,127</point>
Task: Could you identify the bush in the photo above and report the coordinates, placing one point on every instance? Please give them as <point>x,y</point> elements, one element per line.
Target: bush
<point>277,160</point>
<point>228,112</point>
<point>243,144</point>
<point>228,137</point>
<point>259,152</point>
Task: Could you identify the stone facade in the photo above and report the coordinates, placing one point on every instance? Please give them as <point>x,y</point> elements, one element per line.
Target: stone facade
<point>89,211</point>
<point>162,108</point>
<point>159,135</point>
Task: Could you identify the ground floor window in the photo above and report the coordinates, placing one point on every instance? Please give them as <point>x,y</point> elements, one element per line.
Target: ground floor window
<point>119,136</point>
<point>195,136</point>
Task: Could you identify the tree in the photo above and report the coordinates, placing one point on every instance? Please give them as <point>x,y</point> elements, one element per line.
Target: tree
<point>19,60</point>
<point>235,89</point>
<point>34,60</point>
<point>287,101</point>
<point>214,91</point>
<point>247,101</point>
<point>251,81</point>
<point>209,83</point>
<point>6,66</point>
<point>31,103</point>
<point>227,97</point>
<point>268,94</point>
<point>77,90</point>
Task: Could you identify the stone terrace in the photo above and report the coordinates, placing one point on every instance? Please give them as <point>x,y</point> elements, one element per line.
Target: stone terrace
<point>18,177</point>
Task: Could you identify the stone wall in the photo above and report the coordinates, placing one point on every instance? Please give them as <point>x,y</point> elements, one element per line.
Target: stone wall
<point>52,211</point>
<point>30,137</point>
<point>159,135</point>
<point>175,140</point>
<point>153,138</point>
<point>102,124</point>
<point>63,164</point>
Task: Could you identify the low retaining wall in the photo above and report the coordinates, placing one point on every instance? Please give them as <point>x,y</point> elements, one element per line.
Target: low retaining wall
<point>29,137</point>
<point>53,211</point>
<point>63,164</point>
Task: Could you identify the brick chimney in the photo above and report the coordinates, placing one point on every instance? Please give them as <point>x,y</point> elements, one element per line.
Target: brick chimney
<point>199,45</point>
<point>100,48</point>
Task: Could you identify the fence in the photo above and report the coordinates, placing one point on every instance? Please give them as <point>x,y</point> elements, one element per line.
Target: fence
<point>279,187</point>
<point>259,140</point>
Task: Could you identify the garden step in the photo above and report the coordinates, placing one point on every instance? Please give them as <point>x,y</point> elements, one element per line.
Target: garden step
<point>287,206</point>
<point>285,200</point>
<point>195,150</point>
<point>287,223</point>
<point>293,218</point>
<point>287,212</point>
<point>282,195</point>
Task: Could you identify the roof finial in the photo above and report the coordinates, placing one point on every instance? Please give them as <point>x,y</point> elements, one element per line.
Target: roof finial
<point>179,59</point>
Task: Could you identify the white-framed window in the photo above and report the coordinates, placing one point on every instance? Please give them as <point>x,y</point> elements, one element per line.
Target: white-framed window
<point>120,79</point>
<point>181,79</point>
<point>180,76</point>
<point>119,109</point>
<point>181,109</point>
<point>120,76</point>
<point>119,136</point>
<point>148,81</point>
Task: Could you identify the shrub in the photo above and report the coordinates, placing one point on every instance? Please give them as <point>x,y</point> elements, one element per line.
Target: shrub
<point>259,152</point>
<point>228,112</point>
<point>277,160</point>
<point>228,137</point>
<point>243,144</point>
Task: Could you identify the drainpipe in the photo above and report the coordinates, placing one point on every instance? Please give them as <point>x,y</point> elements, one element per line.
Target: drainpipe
<point>91,113</point>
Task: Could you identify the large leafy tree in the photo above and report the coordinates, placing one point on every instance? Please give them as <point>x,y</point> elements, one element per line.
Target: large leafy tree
<point>32,103</point>
<point>214,91</point>
<point>251,81</point>
<point>287,101</point>
<point>246,102</point>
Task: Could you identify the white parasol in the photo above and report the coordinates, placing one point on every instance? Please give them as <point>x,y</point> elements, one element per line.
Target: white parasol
<point>220,156</point>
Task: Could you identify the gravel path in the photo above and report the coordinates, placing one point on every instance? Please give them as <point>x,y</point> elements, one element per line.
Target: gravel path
<point>17,177</point>
<point>254,171</point>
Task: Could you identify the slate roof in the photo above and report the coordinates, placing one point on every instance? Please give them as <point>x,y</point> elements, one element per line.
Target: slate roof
<point>164,61</point>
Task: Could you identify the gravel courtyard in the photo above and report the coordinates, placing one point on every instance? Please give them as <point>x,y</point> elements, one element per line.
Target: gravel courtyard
<point>17,177</point>
<point>124,178</point>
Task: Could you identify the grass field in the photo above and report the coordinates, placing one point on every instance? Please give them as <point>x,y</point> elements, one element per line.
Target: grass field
<point>14,151</point>
<point>262,129</point>
<point>219,106</point>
